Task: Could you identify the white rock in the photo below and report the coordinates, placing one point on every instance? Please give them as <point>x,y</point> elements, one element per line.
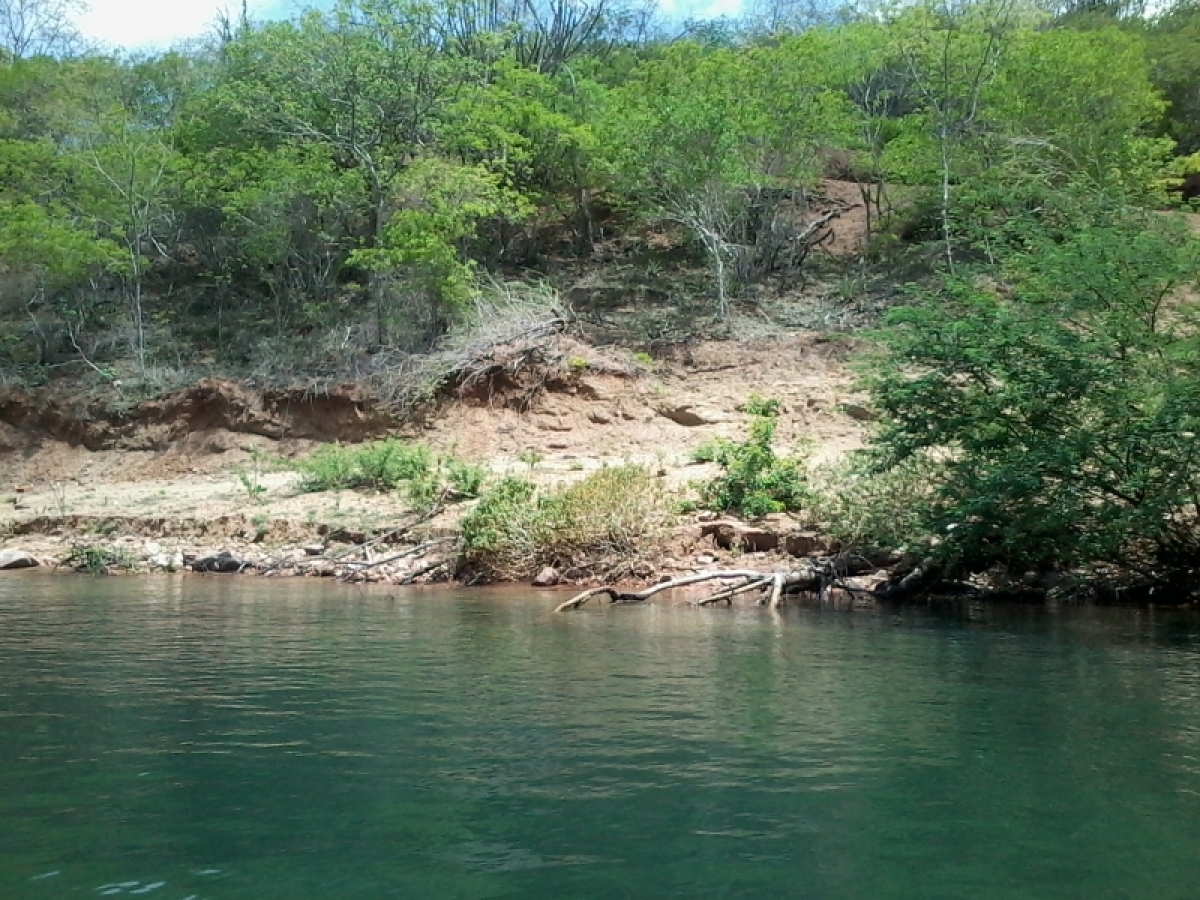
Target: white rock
<point>16,559</point>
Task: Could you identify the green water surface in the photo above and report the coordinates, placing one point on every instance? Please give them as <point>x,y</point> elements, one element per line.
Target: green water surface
<point>229,738</point>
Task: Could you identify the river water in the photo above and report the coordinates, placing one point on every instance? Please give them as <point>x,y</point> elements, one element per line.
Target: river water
<point>236,738</point>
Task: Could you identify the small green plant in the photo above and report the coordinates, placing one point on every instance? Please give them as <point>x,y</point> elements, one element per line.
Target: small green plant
<point>709,451</point>
<point>466,479</point>
<point>92,560</point>
<point>393,465</point>
<point>851,288</point>
<point>755,481</point>
<point>424,490</point>
<point>501,522</point>
<point>577,364</point>
<point>58,490</point>
<point>387,464</point>
<point>261,526</point>
<point>643,359</point>
<point>251,478</point>
<point>530,457</point>
<point>756,405</point>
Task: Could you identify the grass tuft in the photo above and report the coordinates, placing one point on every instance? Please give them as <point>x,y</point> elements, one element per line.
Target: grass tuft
<point>602,525</point>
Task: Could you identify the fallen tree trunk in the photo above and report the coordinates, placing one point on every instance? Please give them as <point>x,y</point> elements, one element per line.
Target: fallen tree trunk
<point>773,584</point>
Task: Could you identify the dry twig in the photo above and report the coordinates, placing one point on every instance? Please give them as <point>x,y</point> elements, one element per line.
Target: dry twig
<point>807,578</point>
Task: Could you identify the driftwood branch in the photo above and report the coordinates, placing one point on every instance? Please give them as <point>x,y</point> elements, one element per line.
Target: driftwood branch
<point>361,567</point>
<point>363,548</point>
<point>806,578</point>
<point>424,570</point>
<point>727,594</point>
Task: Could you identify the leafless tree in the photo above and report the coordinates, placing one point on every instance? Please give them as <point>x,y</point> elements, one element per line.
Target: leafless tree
<point>228,25</point>
<point>775,16</point>
<point>39,27</point>
<point>543,34</point>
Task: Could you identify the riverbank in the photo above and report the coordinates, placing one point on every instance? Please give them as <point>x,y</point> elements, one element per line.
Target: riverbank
<point>176,483</point>
<point>211,480</point>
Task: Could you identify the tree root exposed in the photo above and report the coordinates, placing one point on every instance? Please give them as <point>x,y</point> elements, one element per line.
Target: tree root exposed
<point>773,585</point>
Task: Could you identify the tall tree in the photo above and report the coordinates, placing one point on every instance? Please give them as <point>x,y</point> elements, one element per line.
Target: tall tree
<point>953,53</point>
<point>366,80</point>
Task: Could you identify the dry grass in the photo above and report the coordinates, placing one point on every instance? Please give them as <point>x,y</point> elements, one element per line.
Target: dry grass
<point>601,526</point>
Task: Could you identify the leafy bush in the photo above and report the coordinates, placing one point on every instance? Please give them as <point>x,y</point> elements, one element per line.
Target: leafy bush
<point>761,406</point>
<point>92,560</point>
<point>382,466</point>
<point>1062,410</point>
<point>391,465</point>
<point>602,524</point>
<point>865,509</point>
<point>466,478</point>
<point>755,481</point>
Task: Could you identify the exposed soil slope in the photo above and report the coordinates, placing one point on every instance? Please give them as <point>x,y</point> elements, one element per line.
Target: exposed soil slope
<point>176,468</point>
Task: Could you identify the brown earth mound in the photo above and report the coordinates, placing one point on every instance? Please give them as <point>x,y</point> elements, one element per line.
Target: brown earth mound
<point>342,414</point>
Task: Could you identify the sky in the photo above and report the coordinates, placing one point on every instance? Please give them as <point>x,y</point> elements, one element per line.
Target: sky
<point>158,24</point>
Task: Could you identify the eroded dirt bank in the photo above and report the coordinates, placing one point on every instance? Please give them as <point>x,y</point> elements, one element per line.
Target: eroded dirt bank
<point>167,483</point>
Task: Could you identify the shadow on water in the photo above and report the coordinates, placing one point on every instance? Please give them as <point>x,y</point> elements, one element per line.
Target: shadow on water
<point>209,738</point>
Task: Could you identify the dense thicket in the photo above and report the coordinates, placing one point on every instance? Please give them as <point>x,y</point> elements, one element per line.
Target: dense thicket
<point>339,183</point>
<point>1054,421</point>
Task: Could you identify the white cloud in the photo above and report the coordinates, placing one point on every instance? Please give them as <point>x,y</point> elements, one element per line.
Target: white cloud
<point>148,24</point>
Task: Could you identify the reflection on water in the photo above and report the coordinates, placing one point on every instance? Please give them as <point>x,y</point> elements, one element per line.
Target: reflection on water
<point>209,738</point>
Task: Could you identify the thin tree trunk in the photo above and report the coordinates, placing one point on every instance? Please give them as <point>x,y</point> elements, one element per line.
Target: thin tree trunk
<point>943,140</point>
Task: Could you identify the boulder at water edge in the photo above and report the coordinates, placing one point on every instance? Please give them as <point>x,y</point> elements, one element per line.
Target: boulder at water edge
<point>16,559</point>
<point>548,577</point>
<point>223,562</point>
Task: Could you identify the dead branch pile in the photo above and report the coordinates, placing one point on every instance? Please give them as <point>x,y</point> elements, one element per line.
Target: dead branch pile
<point>426,558</point>
<point>506,332</point>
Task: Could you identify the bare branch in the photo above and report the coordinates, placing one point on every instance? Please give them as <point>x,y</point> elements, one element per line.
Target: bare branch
<point>807,578</point>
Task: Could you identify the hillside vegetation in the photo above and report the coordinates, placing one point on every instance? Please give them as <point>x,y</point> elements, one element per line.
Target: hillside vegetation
<point>339,194</point>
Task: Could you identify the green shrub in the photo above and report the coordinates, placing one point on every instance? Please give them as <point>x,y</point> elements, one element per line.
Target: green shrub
<point>1063,411</point>
<point>865,509</point>
<point>388,466</point>
<point>92,560</point>
<point>501,525</point>
<point>710,451</point>
<point>466,478</point>
<point>755,405</point>
<point>601,525</point>
<point>755,481</point>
